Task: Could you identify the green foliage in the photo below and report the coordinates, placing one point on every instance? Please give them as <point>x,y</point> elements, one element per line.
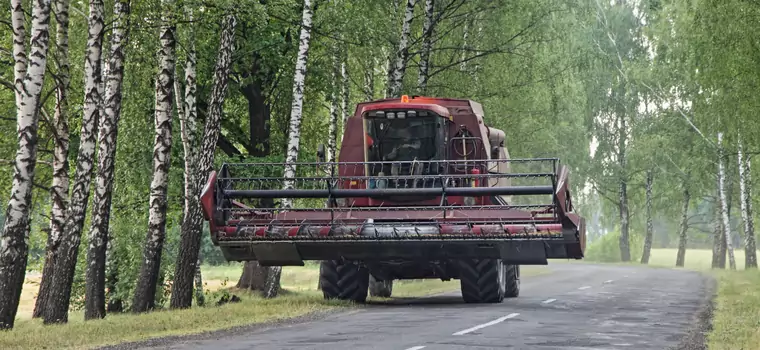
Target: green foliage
<point>606,248</point>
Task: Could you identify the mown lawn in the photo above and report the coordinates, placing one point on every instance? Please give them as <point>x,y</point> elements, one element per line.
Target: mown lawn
<point>301,298</point>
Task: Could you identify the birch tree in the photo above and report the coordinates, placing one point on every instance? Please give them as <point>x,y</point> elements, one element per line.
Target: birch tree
<point>57,305</point>
<point>272,284</point>
<point>402,53</point>
<point>95,303</point>
<point>334,106</point>
<point>187,261</point>
<point>650,226</point>
<point>427,46</point>
<point>59,189</point>
<point>28,78</point>
<point>144,297</point>
<point>745,188</point>
<point>683,227</point>
<point>723,203</point>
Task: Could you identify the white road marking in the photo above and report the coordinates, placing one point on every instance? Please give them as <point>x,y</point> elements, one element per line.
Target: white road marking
<point>484,325</point>
<point>608,281</point>
<point>584,287</point>
<point>547,301</point>
<point>416,347</point>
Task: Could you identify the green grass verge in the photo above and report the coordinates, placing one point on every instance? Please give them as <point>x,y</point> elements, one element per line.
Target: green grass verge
<point>736,313</point>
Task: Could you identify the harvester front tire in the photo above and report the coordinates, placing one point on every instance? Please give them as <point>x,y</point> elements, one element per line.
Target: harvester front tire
<point>482,281</point>
<point>344,280</point>
<point>380,288</point>
<point>512,280</point>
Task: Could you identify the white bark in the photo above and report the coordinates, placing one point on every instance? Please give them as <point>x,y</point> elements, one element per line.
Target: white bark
<point>723,204</point>
<point>59,188</point>
<point>402,52</point>
<point>95,305</point>
<point>202,163</point>
<point>427,45</point>
<point>334,106</point>
<point>29,75</point>
<point>345,89</point>
<point>650,226</point>
<point>296,111</point>
<point>272,284</point>
<point>154,240</point>
<point>745,187</point>
<point>57,305</point>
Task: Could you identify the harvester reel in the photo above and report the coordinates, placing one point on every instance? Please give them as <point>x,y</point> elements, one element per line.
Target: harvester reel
<point>344,280</point>
<point>380,288</point>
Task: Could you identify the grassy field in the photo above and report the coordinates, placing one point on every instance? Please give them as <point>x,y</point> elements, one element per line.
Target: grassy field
<point>301,298</point>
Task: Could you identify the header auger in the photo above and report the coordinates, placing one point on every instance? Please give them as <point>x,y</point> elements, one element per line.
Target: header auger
<point>422,189</point>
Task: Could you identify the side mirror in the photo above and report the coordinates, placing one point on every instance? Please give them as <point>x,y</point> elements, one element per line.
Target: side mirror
<point>321,152</point>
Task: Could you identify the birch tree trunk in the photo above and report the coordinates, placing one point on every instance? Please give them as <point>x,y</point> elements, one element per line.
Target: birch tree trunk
<point>200,298</point>
<point>145,291</point>
<point>28,75</point>
<point>95,302</point>
<point>187,261</point>
<point>57,305</point>
<point>745,187</point>
<point>334,106</point>
<point>625,249</point>
<point>719,242</point>
<point>345,89</point>
<point>427,45</point>
<point>272,284</point>
<point>683,228</point>
<point>402,53</point>
<point>59,189</point>
<point>650,226</point>
<point>724,205</point>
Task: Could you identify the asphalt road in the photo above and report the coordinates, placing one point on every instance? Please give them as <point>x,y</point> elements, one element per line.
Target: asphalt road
<point>577,306</point>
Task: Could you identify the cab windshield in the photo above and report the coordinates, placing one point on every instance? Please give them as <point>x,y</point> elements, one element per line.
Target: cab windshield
<point>403,140</point>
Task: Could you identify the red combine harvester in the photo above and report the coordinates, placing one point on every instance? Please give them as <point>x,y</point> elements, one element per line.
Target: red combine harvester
<point>422,189</point>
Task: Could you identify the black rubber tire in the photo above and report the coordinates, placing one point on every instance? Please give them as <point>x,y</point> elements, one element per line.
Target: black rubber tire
<point>512,281</point>
<point>344,280</point>
<point>380,288</point>
<point>482,281</point>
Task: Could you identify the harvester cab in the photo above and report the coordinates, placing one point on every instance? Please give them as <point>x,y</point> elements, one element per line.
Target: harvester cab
<point>422,188</point>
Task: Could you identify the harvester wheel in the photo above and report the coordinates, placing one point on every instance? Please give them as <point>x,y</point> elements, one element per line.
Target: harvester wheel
<point>344,280</point>
<point>482,281</point>
<point>512,281</point>
<point>380,288</point>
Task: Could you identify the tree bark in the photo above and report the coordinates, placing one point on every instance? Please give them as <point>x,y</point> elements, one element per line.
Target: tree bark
<point>745,187</point>
<point>186,266</point>
<point>29,76</point>
<point>724,205</point>
<point>57,305</point>
<point>334,107</point>
<point>718,239</point>
<point>59,189</point>
<point>272,286</point>
<point>683,228</point>
<point>402,53</point>
<point>345,89</point>
<point>625,249</point>
<point>145,291</point>
<point>95,298</point>
<point>200,297</point>
<point>427,45</point>
<point>650,226</point>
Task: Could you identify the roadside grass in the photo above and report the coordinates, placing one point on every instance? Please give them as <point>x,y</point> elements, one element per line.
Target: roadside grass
<point>114,329</point>
<point>300,297</point>
<point>736,313</point>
